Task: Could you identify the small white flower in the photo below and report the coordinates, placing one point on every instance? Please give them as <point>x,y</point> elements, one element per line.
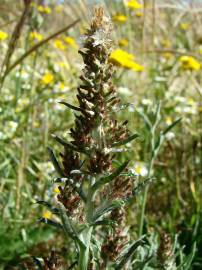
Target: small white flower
<point>170,135</point>
<point>141,169</point>
<point>124,91</point>
<point>146,101</point>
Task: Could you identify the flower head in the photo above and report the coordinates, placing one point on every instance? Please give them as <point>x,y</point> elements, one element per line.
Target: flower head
<point>189,63</point>
<point>123,42</point>
<point>124,59</point>
<point>47,214</point>
<point>47,78</point>
<point>3,35</point>
<point>59,8</point>
<point>36,36</point>
<point>44,9</point>
<point>184,26</point>
<point>70,41</point>
<point>134,4</point>
<point>119,18</point>
<point>59,44</point>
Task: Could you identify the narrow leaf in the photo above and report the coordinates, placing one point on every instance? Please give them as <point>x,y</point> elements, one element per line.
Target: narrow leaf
<point>52,209</point>
<point>127,140</point>
<point>109,178</point>
<point>186,264</point>
<point>107,207</point>
<point>55,162</point>
<point>69,145</point>
<point>70,106</point>
<point>127,254</point>
<point>68,227</point>
<point>50,222</point>
<point>172,125</point>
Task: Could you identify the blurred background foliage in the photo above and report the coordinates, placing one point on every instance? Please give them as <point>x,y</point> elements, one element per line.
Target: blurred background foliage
<point>158,54</point>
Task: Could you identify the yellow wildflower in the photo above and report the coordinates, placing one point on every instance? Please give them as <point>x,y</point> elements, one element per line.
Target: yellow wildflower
<point>184,26</point>
<point>190,101</point>
<point>3,35</point>
<point>36,124</point>
<point>44,9</point>
<point>56,190</point>
<point>47,78</point>
<point>119,18</point>
<point>134,4</point>
<point>47,214</point>
<point>59,8</point>
<point>139,14</point>
<point>123,59</point>
<point>123,42</point>
<point>63,65</point>
<point>165,43</point>
<point>59,44</point>
<point>167,55</point>
<point>189,63</point>
<point>168,120</point>
<point>36,36</point>
<point>70,41</point>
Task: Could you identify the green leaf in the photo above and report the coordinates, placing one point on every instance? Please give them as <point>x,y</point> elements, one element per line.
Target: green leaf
<point>70,106</point>
<point>52,209</point>
<point>69,145</point>
<point>55,162</point>
<point>186,264</point>
<point>145,119</point>
<point>171,126</point>
<point>125,256</point>
<point>107,207</point>
<point>50,222</point>
<point>68,227</point>
<point>129,139</point>
<point>106,179</point>
<point>105,222</point>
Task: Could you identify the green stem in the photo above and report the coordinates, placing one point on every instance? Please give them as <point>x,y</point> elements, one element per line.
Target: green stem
<point>86,234</point>
<point>144,199</point>
<point>84,251</point>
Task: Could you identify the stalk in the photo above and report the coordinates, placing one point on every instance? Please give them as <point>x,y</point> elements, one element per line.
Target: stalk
<point>92,191</point>
<point>84,251</point>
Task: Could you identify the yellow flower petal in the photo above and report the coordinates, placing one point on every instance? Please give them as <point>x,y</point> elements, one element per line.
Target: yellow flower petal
<point>47,214</point>
<point>70,41</point>
<point>123,42</point>
<point>189,63</point>
<point>124,59</point>
<point>133,4</point>
<point>184,26</point>
<point>44,9</point>
<point>3,35</point>
<point>59,44</point>
<point>119,18</point>
<point>47,78</point>
<point>36,36</point>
